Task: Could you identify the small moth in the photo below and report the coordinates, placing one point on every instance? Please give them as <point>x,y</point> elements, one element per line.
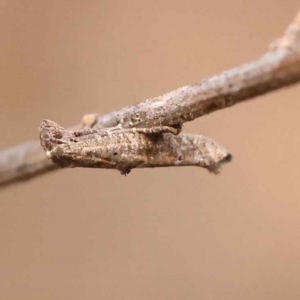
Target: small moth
<point>124,149</point>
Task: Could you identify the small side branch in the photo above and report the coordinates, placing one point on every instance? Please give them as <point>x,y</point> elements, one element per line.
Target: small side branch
<point>278,68</point>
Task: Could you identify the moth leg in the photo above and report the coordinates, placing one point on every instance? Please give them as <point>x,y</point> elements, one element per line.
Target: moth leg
<point>116,130</point>
<point>146,130</point>
<point>138,161</point>
<point>85,131</point>
<point>157,129</point>
<point>101,131</point>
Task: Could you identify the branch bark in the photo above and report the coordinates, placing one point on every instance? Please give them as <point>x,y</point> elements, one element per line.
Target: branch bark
<point>278,68</point>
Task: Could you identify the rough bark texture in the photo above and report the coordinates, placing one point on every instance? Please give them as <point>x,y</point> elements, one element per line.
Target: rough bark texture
<point>277,69</point>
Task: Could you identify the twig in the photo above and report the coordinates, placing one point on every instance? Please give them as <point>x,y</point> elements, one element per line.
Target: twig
<point>23,162</point>
<point>278,68</point>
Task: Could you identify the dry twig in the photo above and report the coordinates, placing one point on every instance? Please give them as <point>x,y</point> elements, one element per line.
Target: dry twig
<point>280,67</point>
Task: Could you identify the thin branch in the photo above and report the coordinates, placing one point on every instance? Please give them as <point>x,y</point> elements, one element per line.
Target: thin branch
<point>278,68</point>
<point>23,162</point>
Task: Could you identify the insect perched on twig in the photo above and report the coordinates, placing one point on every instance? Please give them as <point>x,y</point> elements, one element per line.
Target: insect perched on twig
<point>128,148</point>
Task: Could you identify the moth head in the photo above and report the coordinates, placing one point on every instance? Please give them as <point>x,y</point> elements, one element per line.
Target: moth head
<point>51,134</point>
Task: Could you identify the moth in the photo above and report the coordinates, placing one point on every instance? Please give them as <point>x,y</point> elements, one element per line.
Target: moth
<point>124,149</point>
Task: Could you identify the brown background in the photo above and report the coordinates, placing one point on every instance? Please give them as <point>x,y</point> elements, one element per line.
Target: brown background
<point>155,234</point>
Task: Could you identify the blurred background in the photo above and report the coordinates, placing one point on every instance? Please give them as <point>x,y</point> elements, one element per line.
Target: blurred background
<point>174,233</point>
